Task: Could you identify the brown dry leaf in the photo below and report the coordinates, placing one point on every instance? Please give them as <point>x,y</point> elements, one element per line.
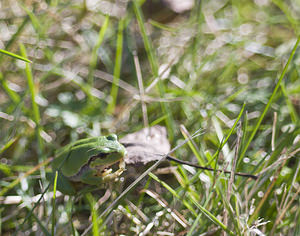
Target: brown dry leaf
<point>146,145</point>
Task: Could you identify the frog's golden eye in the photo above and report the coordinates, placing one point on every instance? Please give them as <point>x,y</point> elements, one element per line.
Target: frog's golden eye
<point>101,155</point>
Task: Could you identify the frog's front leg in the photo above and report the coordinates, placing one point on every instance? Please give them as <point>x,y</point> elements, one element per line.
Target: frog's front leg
<point>97,176</point>
<point>108,176</point>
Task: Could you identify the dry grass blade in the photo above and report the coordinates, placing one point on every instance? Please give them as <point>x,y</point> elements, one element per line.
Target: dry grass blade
<point>283,211</point>
<point>18,180</point>
<point>280,160</point>
<point>141,88</point>
<point>175,214</point>
<point>267,193</point>
<point>231,180</point>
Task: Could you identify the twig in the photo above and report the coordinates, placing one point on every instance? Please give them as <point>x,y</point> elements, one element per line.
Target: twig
<point>210,169</point>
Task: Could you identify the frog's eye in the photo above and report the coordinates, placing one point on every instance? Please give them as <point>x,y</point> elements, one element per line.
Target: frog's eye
<point>112,137</point>
<point>100,155</point>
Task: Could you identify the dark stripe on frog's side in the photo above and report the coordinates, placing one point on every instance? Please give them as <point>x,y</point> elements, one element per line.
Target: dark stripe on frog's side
<point>86,167</point>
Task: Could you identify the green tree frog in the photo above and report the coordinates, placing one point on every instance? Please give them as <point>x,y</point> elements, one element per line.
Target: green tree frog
<point>90,160</point>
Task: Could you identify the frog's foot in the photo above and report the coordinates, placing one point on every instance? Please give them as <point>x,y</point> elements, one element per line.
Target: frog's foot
<point>108,174</point>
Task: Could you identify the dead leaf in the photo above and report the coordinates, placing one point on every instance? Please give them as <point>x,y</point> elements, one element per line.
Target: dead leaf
<point>146,145</point>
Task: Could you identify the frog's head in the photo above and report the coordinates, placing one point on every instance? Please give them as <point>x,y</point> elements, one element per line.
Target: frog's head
<point>107,151</point>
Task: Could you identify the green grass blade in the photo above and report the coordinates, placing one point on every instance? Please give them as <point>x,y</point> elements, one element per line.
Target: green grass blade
<point>42,227</point>
<point>34,20</point>
<point>162,26</point>
<point>5,169</point>
<point>8,144</point>
<point>202,209</point>
<point>94,56</point>
<point>212,217</point>
<point>244,136</point>
<point>17,33</point>
<point>35,107</point>
<point>15,56</point>
<point>94,214</point>
<point>12,94</point>
<point>270,100</point>
<point>29,172</point>
<point>192,146</point>
<point>148,47</point>
<point>35,205</point>
<point>153,176</point>
<point>293,113</point>
<point>229,134</point>
<point>154,67</point>
<point>289,14</point>
<point>117,69</point>
<point>174,193</point>
<point>53,204</point>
